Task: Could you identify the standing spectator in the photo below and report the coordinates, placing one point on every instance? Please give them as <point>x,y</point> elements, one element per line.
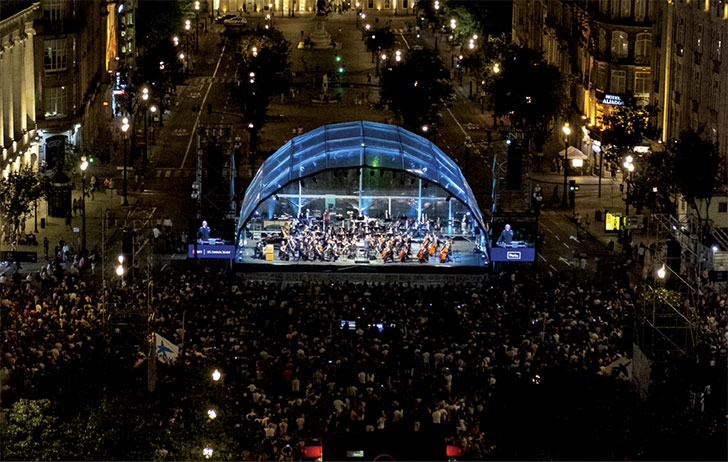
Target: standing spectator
<point>167,224</point>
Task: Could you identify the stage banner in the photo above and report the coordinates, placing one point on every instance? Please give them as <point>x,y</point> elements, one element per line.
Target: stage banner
<point>165,350</point>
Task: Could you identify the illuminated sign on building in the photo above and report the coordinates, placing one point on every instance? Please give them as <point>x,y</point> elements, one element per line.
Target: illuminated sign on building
<point>612,99</point>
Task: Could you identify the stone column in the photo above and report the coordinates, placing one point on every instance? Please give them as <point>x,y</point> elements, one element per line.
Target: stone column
<point>3,84</point>
<point>17,77</point>
<point>8,92</point>
<point>30,78</point>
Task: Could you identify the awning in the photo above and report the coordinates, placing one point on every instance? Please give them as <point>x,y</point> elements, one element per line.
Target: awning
<point>573,153</point>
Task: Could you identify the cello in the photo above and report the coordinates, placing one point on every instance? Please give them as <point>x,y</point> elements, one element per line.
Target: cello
<point>445,251</point>
<point>423,249</point>
<point>434,246</point>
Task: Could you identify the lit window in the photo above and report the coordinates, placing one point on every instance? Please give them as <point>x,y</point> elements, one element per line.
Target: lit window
<point>640,9</point>
<point>625,10</point>
<point>53,10</point>
<point>620,45</point>
<point>55,102</point>
<point>642,82</point>
<point>55,55</point>
<point>619,82</point>
<point>642,47</point>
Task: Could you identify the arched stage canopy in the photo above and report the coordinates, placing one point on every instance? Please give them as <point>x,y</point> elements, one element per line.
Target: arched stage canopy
<point>357,144</point>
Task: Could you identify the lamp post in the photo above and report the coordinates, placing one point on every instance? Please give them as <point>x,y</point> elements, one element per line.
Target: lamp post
<point>124,129</point>
<point>197,26</point>
<point>145,98</point>
<point>188,26</point>
<point>153,110</point>
<point>567,131</point>
<point>83,166</point>
<point>629,166</point>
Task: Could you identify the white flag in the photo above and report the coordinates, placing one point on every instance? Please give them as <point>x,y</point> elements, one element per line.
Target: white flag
<point>165,350</point>
<point>620,368</point>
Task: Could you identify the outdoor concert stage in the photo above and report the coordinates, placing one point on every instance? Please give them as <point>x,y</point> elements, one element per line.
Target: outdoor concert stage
<point>360,194</point>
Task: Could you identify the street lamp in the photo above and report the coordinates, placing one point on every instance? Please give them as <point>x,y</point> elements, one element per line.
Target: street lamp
<point>661,272</point>
<point>84,166</point>
<point>567,131</point>
<point>145,98</point>
<point>197,26</point>
<point>153,110</point>
<point>124,129</point>
<point>216,375</point>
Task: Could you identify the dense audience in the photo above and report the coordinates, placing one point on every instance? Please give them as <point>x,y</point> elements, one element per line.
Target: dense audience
<point>310,358</point>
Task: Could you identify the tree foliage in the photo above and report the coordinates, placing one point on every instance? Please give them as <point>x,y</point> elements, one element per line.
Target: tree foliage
<point>18,192</point>
<point>626,126</point>
<point>698,164</point>
<point>532,93</point>
<point>264,71</point>
<point>31,432</point>
<point>380,39</point>
<point>416,89</point>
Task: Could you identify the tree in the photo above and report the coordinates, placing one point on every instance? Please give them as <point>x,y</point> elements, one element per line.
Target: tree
<point>264,72</point>
<point>31,432</point>
<point>18,191</point>
<point>416,89</point>
<point>625,126</point>
<point>698,163</point>
<point>654,182</point>
<point>532,93</point>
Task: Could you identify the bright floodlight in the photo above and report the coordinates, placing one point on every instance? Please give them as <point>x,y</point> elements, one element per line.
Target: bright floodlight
<point>211,413</point>
<point>424,128</point>
<point>119,270</point>
<point>216,375</point>
<point>661,272</point>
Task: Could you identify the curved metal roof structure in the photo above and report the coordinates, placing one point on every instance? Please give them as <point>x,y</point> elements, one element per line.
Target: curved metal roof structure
<point>357,144</point>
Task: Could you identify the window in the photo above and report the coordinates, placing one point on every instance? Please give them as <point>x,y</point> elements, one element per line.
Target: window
<point>620,45</point>
<point>405,5</point>
<point>722,207</point>
<point>55,55</point>
<point>641,82</point>
<point>602,41</point>
<point>619,82</point>
<point>604,6</point>
<point>695,84</point>
<point>680,36</point>
<point>615,8</point>
<point>640,10</point>
<point>625,10</point>
<point>699,39</point>
<point>53,10</point>
<point>371,4</point>
<point>642,47</point>
<point>602,77</point>
<point>55,102</point>
<point>387,4</point>
<point>714,95</point>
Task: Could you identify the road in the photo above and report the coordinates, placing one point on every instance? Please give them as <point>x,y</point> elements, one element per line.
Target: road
<point>173,159</point>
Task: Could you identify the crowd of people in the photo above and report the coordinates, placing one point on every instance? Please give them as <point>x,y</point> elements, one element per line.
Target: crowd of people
<point>305,359</point>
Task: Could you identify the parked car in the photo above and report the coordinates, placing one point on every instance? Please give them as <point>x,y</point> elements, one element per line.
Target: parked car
<point>236,22</point>
<point>223,18</point>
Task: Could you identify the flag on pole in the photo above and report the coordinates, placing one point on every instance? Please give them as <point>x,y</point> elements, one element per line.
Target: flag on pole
<point>621,368</point>
<point>165,350</point>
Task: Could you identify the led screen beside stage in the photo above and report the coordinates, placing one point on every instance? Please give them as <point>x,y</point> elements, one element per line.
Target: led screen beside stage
<point>517,244</point>
<point>211,251</point>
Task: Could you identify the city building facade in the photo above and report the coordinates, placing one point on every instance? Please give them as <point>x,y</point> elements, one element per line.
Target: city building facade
<point>604,45</point>
<point>289,7</point>
<point>71,59</point>
<point>17,89</point>
<point>690,85</point>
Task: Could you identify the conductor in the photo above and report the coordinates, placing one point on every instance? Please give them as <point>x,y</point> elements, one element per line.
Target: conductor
<point>505,237</point>
<point>203,234</point>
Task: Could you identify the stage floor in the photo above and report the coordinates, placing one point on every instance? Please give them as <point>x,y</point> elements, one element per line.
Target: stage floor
<point>463,254</point>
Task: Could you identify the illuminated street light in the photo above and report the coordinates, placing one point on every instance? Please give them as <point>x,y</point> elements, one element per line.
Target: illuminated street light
<point>453,24</point>
<point>216,375</point>
<point>175,40</point>
<point>367,26</point>
<point>567,131</point>
<point>120,271</point>
<point>661,272</point>
<point>182,56</point>
<point>207,452</point>
<point>153,109</point>
<point>437,5</point>
<point>212,414</point>
<point>188,25</point>
<point>496,68</point>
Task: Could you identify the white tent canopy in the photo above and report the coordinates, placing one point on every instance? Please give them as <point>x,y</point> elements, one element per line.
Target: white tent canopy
<point>573,153</point>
